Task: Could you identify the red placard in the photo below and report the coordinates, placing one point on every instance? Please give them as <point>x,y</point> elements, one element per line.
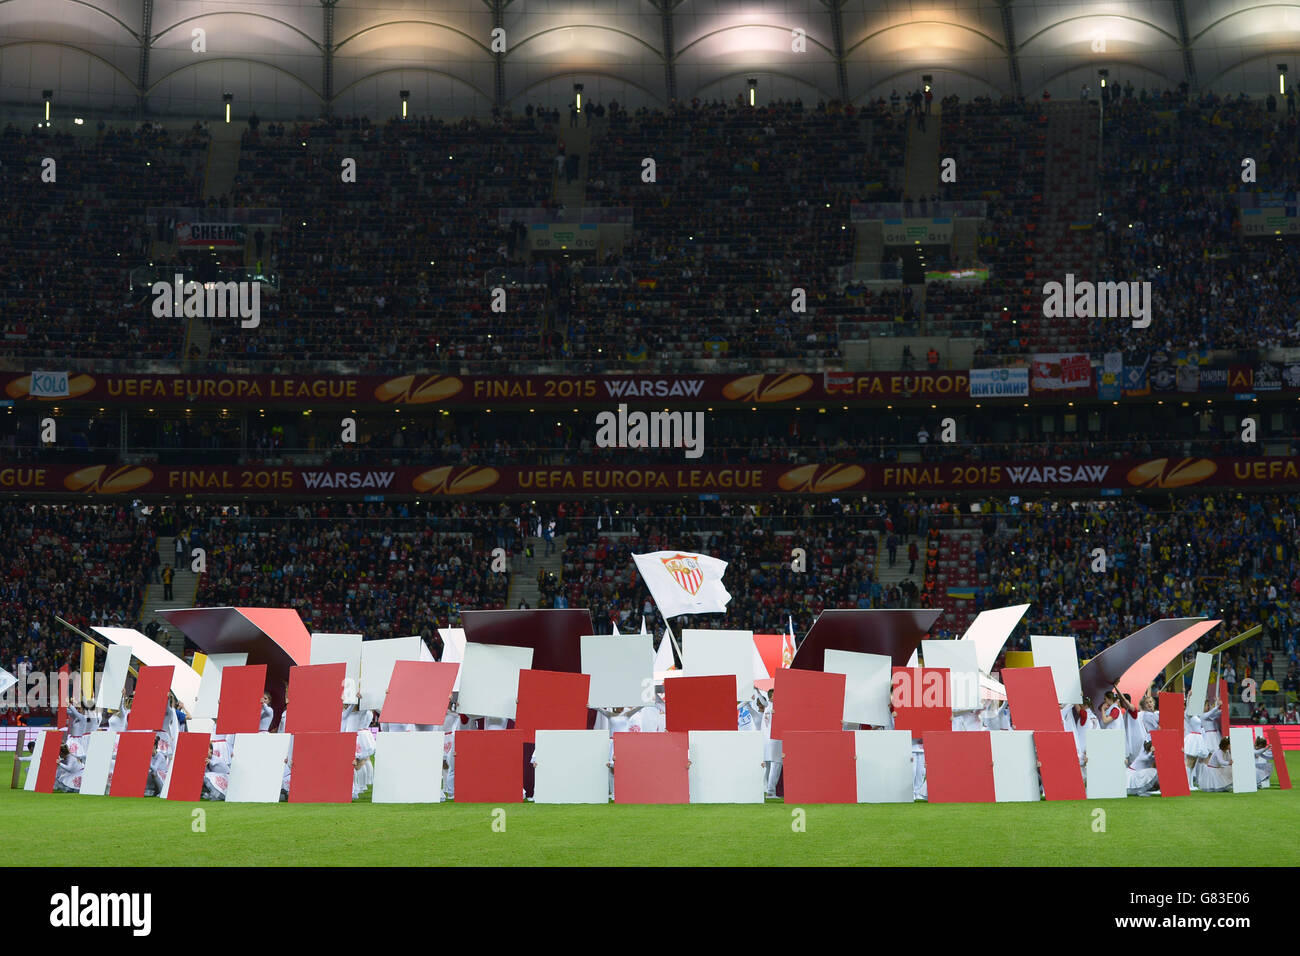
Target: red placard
<point>921,698</point>
<point>321,769</point>
<point>1171,768</point>
<point>490,765</point>
<point>46,772</point>
<point>1031,696</point>
<point>191,760</point>
<point>1058,765</point>
<point>239,710</point>
<point>1279,755</point>
<point>61,717</point>
<point>1171,713</point>
<point>418,692</point>
<point>315,691</point>
<point>551,700</point>
<point>1225,705</point>
<point>811,702</point>
<point>700,703</point>
<point>131,768</point>
<point>959,766</point>
<point>769,650</point>
<point>819,767</point>
<point>149,704</point>
<point>653,768</point>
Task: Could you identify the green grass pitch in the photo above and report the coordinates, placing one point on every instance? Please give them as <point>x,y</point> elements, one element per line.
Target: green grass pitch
<point>1201,830</point>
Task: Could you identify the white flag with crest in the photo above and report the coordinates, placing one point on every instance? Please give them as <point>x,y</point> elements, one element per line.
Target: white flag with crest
<point>682,582</point>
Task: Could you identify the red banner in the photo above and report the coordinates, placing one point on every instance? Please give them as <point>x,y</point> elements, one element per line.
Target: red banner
<point>1131,475</point>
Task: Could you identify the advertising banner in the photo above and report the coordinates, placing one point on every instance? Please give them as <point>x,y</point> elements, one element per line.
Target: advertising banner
<point>826,479</point>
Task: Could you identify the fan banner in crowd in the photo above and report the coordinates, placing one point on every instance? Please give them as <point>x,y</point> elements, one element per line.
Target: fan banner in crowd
<point>999,383</point>
<point>1061,371</point>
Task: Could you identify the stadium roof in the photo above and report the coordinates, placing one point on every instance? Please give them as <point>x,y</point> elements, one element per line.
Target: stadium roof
<point>271,55</point>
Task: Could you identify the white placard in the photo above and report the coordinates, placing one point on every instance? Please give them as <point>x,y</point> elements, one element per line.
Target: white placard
<point>1242,741</point>
<point>1107,770</point>
<point>453,649</point>
<point>408,767</point>
<point>377,660</point>
<point>707,653</point>
<point>210,683</point>
<point>989,632</point>
<point>116,661</point>
<point>866,686</point>
<point>1200,683</point>
<point>490,679</point>
<point>726,766</point>
<point>621,669</point>
<point>257,768</point>
<point>1060,655</point>
<point>959,657</point>
<point>572,766</point>
<point>7,680</point>
<point>1015,766</point>
<point>342,649</point>
<point>99,761</point>
<point>884,764</point>
<point>185,680</point>
<point>34,765</point>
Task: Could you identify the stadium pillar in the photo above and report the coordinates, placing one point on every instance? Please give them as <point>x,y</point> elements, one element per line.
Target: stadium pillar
<point>1189,64</point>
<point>146,43</point>
<point>327,56</point>
<point>1009,34</point>
<point>499,59</point>
<point>670,70</point>
<point>837,37</point>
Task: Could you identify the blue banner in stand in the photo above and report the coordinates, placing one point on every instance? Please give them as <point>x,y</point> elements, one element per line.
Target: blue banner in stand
<point>999,382</point>
<point>1109,382</point>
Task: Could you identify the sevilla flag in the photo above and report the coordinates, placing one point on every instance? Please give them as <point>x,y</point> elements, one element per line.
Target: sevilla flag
<point>682,582</point>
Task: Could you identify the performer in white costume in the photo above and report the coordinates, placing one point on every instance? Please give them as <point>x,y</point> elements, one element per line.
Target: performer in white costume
<point>1216,774</point>
<point>216,779</point>
<point>363,769</point>
<point>1263,762</point>
<point>1195,747</point>
<point>1141,776</point>
<point>159,766</point>
<point>81,724</point>
<point>118,720</point>
<point>268,715</point>
<point>67,776</point>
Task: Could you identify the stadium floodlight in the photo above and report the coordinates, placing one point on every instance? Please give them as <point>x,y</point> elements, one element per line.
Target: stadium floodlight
<point>1281,79</point>
<point>753,91</point>
<point>48,95</point>
<point>405,95</point>
<point>927,79</point>
<point>227,98</point>
<point>577,96</point>
<point>1102,74</point>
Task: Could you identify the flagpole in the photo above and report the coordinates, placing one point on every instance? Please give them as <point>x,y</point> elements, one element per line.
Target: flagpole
<point>671,637</point>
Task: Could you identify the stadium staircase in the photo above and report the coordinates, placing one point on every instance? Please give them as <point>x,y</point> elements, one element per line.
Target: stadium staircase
<point>223,159</point>
<point>577,141</point>
<point>950,564</point>
<point>523,573</point>
<point>888,577</point>
<point>185,584</point>
<point>1067,241</point>
<point>922,164</point>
